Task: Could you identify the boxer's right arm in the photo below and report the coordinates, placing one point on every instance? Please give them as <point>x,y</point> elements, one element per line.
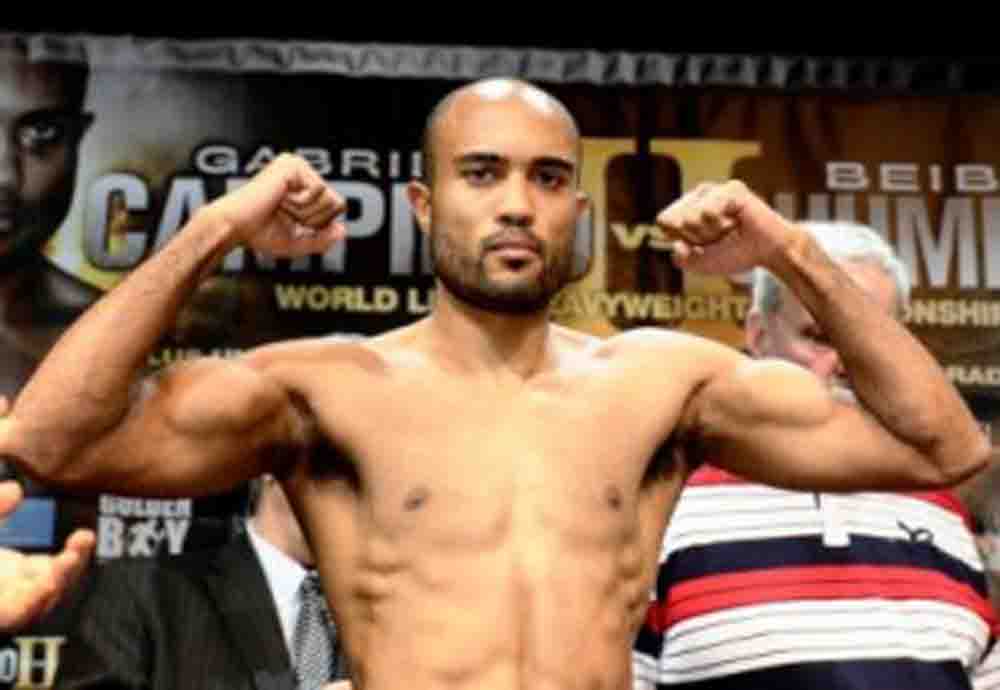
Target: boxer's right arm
<point>86,420</point>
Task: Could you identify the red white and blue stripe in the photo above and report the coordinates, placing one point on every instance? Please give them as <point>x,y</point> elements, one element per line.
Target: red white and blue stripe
<point>766,588</point>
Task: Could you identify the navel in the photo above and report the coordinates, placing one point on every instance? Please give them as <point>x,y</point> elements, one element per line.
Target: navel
<point>416,498</point>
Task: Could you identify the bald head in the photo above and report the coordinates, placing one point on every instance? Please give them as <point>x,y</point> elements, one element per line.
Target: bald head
<point>483,92</point>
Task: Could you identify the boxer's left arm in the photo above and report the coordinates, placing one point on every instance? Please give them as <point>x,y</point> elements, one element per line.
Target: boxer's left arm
<point>779,423</point>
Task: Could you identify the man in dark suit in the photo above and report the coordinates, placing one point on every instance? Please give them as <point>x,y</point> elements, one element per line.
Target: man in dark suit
<point>219,619</point>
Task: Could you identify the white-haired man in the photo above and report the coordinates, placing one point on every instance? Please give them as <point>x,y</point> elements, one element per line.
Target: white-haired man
<point>762,587</point>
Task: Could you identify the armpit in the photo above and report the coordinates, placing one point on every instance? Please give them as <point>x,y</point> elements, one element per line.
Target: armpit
<point>671,457</point>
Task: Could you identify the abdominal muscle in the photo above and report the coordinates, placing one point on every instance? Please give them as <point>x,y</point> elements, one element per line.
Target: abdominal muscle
<point>542,592</point>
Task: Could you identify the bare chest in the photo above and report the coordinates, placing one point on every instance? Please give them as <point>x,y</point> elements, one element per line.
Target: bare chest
<point>472,464</point>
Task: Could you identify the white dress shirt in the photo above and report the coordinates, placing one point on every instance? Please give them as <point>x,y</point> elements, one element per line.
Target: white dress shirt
<point>284,576</point>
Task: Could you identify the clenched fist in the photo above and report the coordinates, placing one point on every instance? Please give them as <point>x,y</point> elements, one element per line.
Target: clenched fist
<point>285,210</point>
<point>725,229</point>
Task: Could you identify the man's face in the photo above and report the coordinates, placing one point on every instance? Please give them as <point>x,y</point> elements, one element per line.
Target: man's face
<point>504,202</point>
<point>39,134</point>
<point>791,333</point>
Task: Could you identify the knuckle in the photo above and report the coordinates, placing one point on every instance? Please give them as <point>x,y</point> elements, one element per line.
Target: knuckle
<point>737,187</point>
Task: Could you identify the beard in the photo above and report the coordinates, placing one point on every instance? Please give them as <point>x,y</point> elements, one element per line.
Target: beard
<point>467,279</point>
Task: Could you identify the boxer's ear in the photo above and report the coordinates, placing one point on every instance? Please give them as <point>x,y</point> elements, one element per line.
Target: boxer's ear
<point>419,195</point>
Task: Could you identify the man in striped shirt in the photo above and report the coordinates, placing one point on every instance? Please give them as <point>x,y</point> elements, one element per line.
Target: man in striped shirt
<point>762,587</point>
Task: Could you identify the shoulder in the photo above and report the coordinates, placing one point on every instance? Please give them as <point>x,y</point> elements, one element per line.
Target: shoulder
<point>301,359</point>
<point>305,351</point>
<point>657,368</point>
<point>651,339</point>
<point>669,350</point>
<point>653,356</point>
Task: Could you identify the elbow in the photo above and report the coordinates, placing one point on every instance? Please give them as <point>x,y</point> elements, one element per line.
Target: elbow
<point>980,455</point>
<point>16,449</point>
<point>43,457</point>
<point>962,458</point>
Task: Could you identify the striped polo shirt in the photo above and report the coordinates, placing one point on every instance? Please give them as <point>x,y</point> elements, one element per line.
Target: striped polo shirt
<point>760,587</point>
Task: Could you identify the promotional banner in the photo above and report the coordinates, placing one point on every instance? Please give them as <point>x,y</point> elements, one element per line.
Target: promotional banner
<point>112,144</point>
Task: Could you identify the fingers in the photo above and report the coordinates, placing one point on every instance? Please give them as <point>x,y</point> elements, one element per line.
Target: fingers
<point>336,230</point>
<point>4,405</point>
<point>310,191</point>
<point>287,238</point>
<point>31,585</point>
<point>320,215</point>
<point>67,567</point>
<point>10,496</point>
<point>683,253</point>
<point>309,199</point>
<point>305,218</point>
<point>26,588</point>
<point>312,214</point>
<point>309,240</point>
<point>704,215</point>
<point>80,544</point>
<point>22,604</point>
<point>314,205</point>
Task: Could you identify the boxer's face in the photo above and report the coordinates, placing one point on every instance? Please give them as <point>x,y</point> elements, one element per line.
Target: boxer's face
<point>791,333</point>
<point>39,134</point>
<point>504,201</point>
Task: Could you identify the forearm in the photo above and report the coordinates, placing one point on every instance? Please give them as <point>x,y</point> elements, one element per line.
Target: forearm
<point>893,375</point>
<point>86,384</point>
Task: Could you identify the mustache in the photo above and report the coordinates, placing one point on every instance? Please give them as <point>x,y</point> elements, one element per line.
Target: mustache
<point>515,236</point>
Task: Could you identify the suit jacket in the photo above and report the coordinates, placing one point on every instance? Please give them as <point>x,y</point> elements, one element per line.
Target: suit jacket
<point>198,621</point>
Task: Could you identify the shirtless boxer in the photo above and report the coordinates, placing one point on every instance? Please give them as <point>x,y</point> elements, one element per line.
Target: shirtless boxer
<point>486,492</point>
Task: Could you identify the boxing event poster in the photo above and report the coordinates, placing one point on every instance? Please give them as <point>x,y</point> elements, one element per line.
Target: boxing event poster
<point>162,127</point>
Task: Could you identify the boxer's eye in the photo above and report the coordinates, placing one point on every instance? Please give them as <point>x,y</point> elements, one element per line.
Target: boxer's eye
<point>39,132</point>
<point>479,175</point>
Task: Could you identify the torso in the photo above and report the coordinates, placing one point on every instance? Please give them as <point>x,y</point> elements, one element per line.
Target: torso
<point>478,535</point>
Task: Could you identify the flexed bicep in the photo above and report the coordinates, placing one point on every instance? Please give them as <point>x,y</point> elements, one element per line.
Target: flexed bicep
<point>197,428</point>
<point>776,422</point>
<point>205,426</point>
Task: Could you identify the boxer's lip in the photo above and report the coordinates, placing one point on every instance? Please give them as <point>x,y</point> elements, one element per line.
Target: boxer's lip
<point>515,246</point>
<point>515,242</point>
